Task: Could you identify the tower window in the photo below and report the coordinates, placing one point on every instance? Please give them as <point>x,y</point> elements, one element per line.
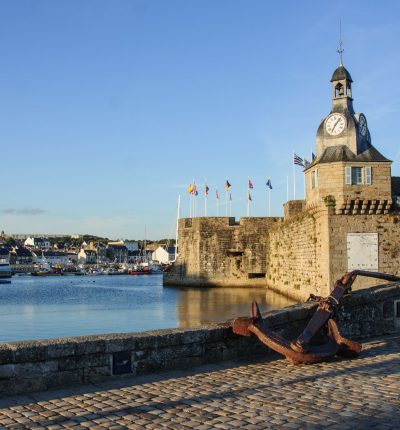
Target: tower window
<point>339,90</point>
<point>358,175</point>
<point>314,179</point>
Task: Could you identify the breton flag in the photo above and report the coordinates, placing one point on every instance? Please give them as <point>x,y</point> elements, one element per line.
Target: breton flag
<point>227,185</point>
<point>217,195</point>
<point>268,184</point>
<point>249,196</point>
<point>297,160</point>
<point>250,184</point>
<point>312,156</point>
<point>207,190</point>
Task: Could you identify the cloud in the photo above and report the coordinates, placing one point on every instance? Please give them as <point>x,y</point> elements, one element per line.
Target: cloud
<point>23,211</point>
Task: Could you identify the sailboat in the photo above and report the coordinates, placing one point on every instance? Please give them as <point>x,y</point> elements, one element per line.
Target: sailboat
<point>143,268</point>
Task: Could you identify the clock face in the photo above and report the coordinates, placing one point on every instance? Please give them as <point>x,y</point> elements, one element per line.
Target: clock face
<point>362,125</point>
<point>335,124</point>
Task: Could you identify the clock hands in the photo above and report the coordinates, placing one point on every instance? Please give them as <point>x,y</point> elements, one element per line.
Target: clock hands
<point>336,123</point>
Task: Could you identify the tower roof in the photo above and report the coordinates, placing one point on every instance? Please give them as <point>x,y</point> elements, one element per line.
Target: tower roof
<point>341,73</point>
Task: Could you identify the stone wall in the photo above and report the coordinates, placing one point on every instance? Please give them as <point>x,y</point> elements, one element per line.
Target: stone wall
<point>218,251</point>
<point>40,365</point>
<point>388,229</point>
<point>298,262</point>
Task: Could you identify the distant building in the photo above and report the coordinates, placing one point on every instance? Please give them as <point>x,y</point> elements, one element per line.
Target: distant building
<point>87,256</point>
<point>21,255</point>
<point>117,253</point>
<point>164,255</point>
<point>37,242</point>
<point>131,245</point>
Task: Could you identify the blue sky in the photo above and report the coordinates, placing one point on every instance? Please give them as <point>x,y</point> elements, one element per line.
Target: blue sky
<point>109,109</point>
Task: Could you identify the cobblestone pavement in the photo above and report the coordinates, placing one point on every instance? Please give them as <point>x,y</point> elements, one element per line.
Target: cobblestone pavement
<point>363,393</point>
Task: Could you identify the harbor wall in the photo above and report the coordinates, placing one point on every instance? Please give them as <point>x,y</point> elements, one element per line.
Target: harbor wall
<point>218,251</point>
<point>49,364</point>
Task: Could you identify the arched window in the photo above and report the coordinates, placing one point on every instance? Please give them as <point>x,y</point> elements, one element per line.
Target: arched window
<point>339,90</point>
<point>348,89</point>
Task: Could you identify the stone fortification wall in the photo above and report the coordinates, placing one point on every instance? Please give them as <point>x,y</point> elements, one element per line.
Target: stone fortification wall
<point>309,252</point>
<point>388,229</point>
<point>218,251</point>
<point>298,259</point>
<point>39,365</point>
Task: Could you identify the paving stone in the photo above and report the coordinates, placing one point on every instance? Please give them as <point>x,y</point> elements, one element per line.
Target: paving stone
<point>341,394</point>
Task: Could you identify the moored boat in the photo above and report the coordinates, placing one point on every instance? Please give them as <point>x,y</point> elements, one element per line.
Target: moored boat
<point>5,271</point>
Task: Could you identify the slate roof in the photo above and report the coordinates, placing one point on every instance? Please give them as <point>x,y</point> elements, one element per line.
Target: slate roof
<point>341,73</point>
<point>337,153</point>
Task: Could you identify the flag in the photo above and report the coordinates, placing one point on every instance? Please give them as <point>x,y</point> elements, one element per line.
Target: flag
<point>217,195</point>
<point>250,184</point>
<point>312,156</point>
<point>230,197</point>
<point>297,160</point>
<point>268,184</point>
<point>306,163</point>
<point>249,196</point>
<point>227,185</point>
<point>190,189</point>
<point>195,192</point>
<point>207,190</point>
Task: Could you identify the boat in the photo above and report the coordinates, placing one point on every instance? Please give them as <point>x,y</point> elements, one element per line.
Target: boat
<point>5,271</point>
<point>140,270</point>
<point>47,272</point>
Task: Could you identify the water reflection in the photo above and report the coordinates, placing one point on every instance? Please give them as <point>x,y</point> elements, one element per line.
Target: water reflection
<point>40,308</point>
<point>202,305</point>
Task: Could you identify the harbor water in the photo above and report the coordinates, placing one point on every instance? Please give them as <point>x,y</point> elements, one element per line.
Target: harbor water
<point>63,306</point>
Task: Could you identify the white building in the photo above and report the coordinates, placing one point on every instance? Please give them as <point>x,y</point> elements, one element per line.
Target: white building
<point>87,256</point>
<point>164,255</point>
<point>37,242</point>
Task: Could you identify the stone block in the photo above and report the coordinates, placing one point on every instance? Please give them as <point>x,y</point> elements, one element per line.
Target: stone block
<point>7,371</point>
<point>63,379</point>
<point>28,351</point>
<point>90,345</point>
<point>59,347</point>
<point>6,353</point>
<point>94,374</point>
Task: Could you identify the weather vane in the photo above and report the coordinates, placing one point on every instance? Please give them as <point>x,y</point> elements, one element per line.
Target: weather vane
<point>340,50</point>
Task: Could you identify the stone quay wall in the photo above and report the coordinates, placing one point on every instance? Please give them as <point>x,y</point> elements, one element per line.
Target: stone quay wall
<point>49,364</point>
<point>218,251</point>
<point>298,255</point>
<point>308,252</point>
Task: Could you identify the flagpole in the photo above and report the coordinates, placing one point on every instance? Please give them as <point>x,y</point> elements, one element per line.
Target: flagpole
<point>248,205</point>
<point>205,204</point>
<point>226,202</point>
<point>177,226</point>
<point>287,188</point>
<point>218,206</point>
<point>269,201</point>
<point>230,206</point>
<point>294,179</point>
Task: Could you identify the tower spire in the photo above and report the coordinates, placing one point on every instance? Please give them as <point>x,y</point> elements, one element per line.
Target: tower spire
<point>340,50</point>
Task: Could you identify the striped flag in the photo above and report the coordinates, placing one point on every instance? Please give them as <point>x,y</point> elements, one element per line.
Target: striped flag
<point>297,160</point>
<point>250,184</point>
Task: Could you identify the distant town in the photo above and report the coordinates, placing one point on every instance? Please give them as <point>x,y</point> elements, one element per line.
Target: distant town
<point>26,253</point>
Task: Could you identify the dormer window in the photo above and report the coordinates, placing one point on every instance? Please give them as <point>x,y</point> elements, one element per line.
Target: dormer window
<point>339,90</point>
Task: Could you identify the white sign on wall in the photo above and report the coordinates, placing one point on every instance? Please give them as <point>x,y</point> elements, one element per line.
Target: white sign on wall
<point>362,251</point>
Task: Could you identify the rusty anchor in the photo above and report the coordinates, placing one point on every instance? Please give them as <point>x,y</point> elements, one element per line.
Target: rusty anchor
<point>321,339</point>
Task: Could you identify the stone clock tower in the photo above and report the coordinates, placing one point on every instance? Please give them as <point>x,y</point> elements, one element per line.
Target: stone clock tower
<point>348,172</point>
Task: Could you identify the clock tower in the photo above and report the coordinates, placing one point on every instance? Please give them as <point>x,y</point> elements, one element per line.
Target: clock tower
<point>348,171</point>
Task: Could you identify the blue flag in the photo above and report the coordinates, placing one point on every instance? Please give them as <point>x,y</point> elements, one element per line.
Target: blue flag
<point>268,184</point>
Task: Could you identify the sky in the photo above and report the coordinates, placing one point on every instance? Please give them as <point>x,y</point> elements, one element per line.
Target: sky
<point>110,109</point>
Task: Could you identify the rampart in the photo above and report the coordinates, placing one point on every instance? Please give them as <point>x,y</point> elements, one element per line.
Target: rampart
<point>218,251</point>
<point>41,365</point>
<point>308,252</point>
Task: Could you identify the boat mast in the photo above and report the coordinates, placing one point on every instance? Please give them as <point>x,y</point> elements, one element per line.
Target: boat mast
<point>177,226</point>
